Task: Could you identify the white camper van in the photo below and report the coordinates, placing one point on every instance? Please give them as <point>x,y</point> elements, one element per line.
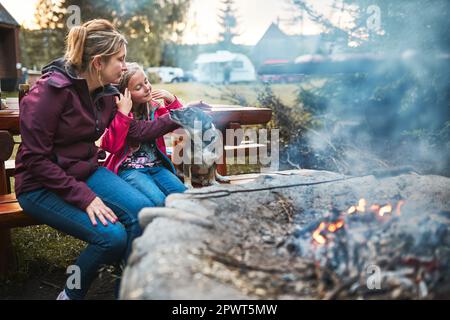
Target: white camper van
<point>224,67</point>
<point>168,74</point>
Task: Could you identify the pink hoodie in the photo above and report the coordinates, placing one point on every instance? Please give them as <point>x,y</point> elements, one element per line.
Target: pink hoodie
<point>114,139</point>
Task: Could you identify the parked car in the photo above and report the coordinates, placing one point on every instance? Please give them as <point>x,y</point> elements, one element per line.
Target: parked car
<point>168,74</point>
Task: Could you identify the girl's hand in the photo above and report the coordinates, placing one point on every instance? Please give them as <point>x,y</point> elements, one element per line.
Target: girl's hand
<point>124,103</point>
<point>163,94</point>
<point>98,209</point>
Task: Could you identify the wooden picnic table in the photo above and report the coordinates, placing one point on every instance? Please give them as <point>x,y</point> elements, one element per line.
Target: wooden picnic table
<point>9,124</point>
<point>233,117</point>
<point>224,116</point>
<point>9,121</point>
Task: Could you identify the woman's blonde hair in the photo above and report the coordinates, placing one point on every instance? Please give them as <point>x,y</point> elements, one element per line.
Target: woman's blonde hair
<point>94,38</point>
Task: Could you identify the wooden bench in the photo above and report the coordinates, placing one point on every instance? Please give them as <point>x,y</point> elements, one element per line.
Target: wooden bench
<point>11,214</point>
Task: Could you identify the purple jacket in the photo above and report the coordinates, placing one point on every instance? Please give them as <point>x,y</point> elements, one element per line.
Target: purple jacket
<point>59,124</point>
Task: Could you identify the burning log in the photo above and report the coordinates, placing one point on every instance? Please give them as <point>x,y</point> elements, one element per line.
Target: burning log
<point>345,241</point>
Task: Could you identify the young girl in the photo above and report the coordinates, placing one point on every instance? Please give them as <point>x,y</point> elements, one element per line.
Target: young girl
<point>143,165</point>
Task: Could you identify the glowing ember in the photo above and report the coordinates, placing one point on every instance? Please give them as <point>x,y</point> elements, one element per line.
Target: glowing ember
<point>399,206</point>
<point>375,208</point>
<point>351,210</point>
<point>319,235</point>
<point>361,205</point>
<point>386,209</point>
<point>330,227</point>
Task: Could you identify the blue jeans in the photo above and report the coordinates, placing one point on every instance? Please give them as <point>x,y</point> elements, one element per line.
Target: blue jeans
<point>106,244</point>
<point>156,182</point>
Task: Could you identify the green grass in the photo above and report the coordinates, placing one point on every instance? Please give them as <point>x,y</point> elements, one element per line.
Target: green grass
<point>43,249</point>
<point>190,92</point>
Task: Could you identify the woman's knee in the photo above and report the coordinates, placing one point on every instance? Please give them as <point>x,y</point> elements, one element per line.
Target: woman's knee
<point>113,239</point>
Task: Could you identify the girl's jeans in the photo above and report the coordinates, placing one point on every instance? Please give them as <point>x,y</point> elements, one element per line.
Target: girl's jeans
<point>155,182</point>
<point>106,244</point>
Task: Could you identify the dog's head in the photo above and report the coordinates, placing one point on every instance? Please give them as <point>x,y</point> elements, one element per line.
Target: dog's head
<point>186,117</point>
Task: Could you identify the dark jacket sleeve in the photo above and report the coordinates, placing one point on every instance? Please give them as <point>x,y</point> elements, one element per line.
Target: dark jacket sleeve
<point>142,130</point>
<point>40,113</point>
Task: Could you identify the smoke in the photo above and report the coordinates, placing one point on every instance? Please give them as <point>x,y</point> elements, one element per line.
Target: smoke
<point>388,103</point>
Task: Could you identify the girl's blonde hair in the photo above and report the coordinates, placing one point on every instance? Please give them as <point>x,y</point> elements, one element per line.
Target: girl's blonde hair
<point>139,111</point>
<point>97,37</point>
<point>132,69</point>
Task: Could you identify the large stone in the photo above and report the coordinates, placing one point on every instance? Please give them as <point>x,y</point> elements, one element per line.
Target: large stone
<point>193,248</point>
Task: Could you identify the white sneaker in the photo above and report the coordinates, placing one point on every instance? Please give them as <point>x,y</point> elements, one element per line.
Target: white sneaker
<point>62,296</point>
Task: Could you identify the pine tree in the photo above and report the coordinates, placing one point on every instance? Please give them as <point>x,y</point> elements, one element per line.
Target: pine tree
<point>228,22</point>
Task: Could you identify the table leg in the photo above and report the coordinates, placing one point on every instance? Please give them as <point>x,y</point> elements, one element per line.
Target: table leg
<point>222,168</point>
<point>7,258</point>
<point>3,179</point>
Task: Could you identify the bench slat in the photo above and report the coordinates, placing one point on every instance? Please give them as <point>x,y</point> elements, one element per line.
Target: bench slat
<point>6,198</point>
<point>12,216</point>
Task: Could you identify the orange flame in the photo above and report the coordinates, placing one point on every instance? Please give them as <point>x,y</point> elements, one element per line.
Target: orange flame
<point>361,205</point>
<point>317,236</point>
<point>332,227</point>
<point>399,206</point>
<point>386,209</point>
<point>351,210</point>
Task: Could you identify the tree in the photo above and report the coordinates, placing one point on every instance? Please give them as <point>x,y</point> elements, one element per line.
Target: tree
<point>400,107</point>
<point>387,25</point>
<point>147,25</point>
<point>228,23</point>
<point>42,45</point>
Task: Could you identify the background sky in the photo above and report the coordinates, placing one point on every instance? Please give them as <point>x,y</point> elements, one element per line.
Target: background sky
<point>254,17</point>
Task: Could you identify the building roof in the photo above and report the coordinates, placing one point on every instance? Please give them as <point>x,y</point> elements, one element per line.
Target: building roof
<point>6,17</point>
<point>274,32</point>
<point>218,56</point>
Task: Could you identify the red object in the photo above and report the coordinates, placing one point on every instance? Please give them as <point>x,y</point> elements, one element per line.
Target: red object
<point>114,140</point>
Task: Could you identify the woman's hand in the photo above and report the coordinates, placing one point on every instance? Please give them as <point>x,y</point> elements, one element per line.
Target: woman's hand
<point>163,94</point>
<point>98,209</point>
<point>124,103</point>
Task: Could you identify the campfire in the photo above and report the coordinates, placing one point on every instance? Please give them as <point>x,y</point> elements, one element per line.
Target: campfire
<point>360,238</point>
<point>380,213</point>
<point>372,249</point>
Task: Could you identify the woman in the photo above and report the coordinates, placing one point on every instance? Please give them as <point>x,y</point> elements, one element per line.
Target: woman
<point>58,180</point>
<point>145,166</point>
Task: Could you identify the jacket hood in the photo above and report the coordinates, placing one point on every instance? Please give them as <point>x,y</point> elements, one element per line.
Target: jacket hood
<point>62,67</point>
